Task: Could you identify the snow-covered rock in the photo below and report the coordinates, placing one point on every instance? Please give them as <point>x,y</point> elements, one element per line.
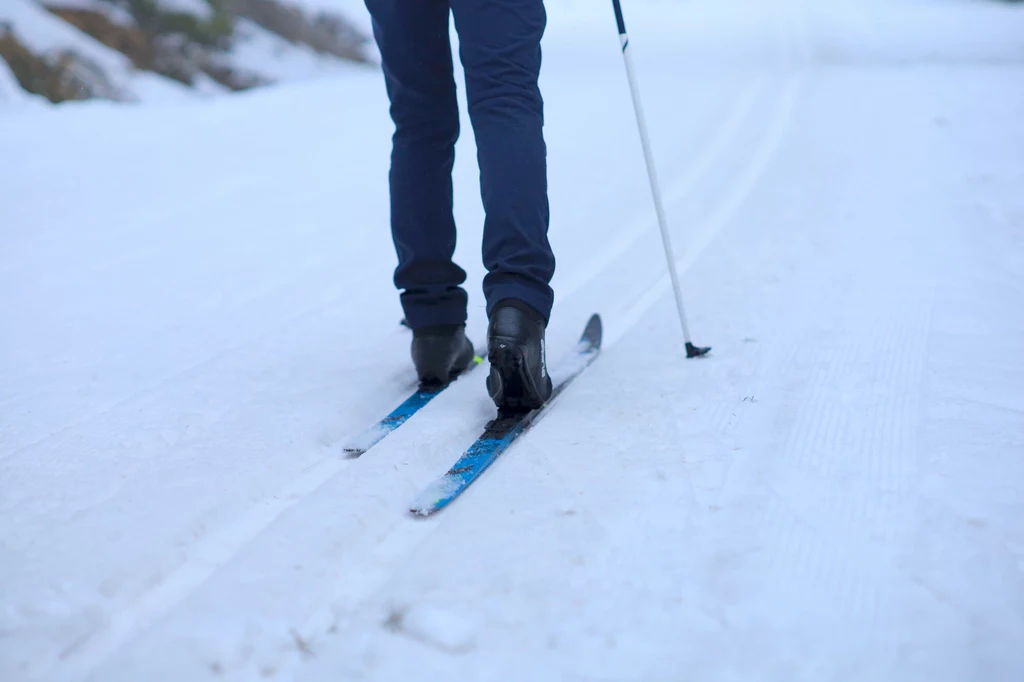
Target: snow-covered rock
<point>130,49</point>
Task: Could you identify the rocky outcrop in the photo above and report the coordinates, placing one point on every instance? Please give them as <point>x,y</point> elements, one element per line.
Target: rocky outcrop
<point>59,75</point>
<point>178,45</point>
<point>181,54</point>
<point>126,39</point>
<point>323,32</point>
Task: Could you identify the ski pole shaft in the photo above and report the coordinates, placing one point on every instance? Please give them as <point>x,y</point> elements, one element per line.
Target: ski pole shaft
<point>691,350</point>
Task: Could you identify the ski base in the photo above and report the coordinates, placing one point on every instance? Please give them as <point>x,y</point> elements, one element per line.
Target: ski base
<point>500,433</point>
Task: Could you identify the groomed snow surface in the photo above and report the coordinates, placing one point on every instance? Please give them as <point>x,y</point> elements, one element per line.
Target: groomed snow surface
<point>197,311</point>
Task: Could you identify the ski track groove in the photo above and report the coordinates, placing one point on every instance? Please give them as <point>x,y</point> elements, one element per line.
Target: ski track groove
<point>641,223</point>
<point>218,547</point>
<point>355,590</point>
<point>148,221</point>
<point>267,290</point>
<point>752,172</point>
<point>741,189</point>
<point>710,228</point>
<point>205,557</point>
<point>170,378</point>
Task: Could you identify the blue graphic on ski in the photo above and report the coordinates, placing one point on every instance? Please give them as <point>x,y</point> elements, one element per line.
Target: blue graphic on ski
<point>401,414</point>
<point>499,433</point>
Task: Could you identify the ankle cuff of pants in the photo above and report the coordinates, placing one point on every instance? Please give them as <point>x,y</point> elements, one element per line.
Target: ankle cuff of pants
<point>541,301</point>
<point>423,311</point>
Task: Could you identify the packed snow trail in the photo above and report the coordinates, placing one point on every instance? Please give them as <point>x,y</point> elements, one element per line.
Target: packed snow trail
<point>196,319</point>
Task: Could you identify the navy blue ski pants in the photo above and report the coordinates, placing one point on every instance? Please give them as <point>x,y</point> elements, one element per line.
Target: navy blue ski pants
<point>499,46</point>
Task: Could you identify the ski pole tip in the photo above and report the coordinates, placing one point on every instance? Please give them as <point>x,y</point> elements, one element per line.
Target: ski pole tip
<point>693,351</point>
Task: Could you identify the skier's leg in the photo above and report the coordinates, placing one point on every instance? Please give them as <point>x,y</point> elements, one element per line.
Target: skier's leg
<point>412,36</point>
<point>500,49</point>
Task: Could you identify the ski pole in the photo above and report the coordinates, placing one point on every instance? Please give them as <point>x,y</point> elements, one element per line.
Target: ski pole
<point>692,351</point>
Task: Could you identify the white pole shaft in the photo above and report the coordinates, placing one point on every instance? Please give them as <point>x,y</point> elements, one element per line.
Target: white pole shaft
<point>652,175</point>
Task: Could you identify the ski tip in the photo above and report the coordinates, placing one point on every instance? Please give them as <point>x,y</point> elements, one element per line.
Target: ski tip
<point>693,351</point>
<point>437,495</point>
<point>593,332</point>
<point>426,505</point>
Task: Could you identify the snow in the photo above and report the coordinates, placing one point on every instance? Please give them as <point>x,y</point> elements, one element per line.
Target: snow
<point>198,312</point>
<point>11,93</point>
<point>435,627</point>
<point>361,441</point>
<point>353,10</point>
<point>263,52</point>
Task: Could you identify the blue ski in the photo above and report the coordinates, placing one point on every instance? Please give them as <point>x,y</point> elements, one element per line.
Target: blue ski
<point>398,416</point>
<point>499,433</point>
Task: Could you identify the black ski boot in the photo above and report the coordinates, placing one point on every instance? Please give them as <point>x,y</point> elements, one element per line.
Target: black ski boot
<point>441,353</point>
<point>519,380</point>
